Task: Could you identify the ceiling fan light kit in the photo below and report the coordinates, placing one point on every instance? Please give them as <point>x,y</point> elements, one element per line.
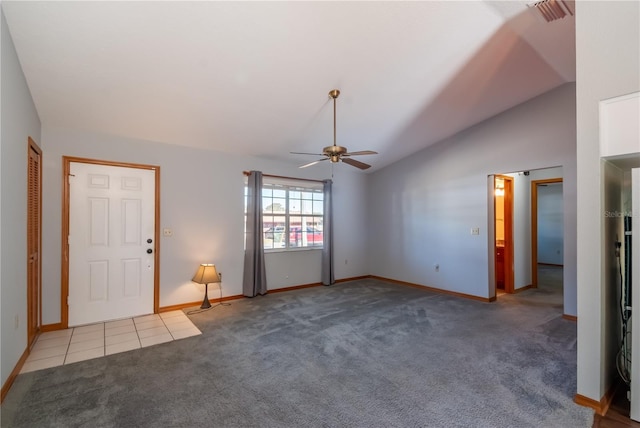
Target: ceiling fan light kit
<point>337,153</point>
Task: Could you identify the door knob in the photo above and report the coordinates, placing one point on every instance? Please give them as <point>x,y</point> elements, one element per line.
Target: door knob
<point>149,241</point>
<point>149,251</point>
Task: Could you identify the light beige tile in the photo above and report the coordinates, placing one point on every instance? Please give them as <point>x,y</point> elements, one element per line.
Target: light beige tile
<point>118,323</point>
<point>56,334</point>
<point>126,337</point>
<point>181,334</point>
<point>171,314</point>
<point>180,326</point>
<point>84,337</point>
<point>146,318</point>
<point>87,344</point>
<point>154,340</point>
<point>50,343</point>
<point>149,324</point>
<point>45,363</point>
<point>88,328</point>
<point>48,352</point>
<point>156,331</point>
<point>176,320</point>
<point>122,347</point>
<point>120,330</point>
<point>87,354</point>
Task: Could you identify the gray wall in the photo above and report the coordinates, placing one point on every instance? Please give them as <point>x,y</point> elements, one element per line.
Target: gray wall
<point>550,224</point>
<point>19,120</point>
<point>607,65</point>
<point>202,202</point>
<point>423,207</point>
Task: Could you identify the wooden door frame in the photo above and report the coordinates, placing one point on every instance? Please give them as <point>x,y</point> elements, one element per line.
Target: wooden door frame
<point>32,145</point>
<point>508,234</point>
<point>508,231</point>
<point>64,282</point>
<point>534,225</point>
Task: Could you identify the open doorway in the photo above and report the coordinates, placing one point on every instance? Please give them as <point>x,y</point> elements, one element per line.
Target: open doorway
<point>547,229</point>
<point>547,235</point>
<point>511,201</point>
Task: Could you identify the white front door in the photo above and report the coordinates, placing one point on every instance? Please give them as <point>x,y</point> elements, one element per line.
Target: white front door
<point>111,242</point>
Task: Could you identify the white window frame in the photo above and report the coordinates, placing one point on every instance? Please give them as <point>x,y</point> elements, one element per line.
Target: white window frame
<point>289,186</point>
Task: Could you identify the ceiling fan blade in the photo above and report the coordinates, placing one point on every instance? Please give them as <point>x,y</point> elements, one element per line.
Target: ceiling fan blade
<point>304,153</point>
<point>312,163</point>
<point>356,163</point>
<point>360,153</point>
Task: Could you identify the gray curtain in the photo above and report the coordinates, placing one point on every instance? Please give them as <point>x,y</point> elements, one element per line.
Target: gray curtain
<point>327,246</point>
<point>255,278</point>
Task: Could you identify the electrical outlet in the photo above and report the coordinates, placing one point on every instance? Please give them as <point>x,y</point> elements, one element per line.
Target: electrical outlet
<point>475,231</point>
<point>167,232</point>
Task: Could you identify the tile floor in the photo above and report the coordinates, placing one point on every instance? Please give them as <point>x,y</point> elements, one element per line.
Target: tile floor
<point>56,348</point>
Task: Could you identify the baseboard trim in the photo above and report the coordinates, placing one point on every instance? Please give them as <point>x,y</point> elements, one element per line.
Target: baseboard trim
<point>570,317</point>
<point>51,327</point>
<point>550,264</point>
<point>521,289</point>
<point>181,306</point>
<point>14,374</point>
<point>240,296</point>
<point>294,287</point>
<point>435,290</point>
<point>353,278</point>
<point>601,407</point>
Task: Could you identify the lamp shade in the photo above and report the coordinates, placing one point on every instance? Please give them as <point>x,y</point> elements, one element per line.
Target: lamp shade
<point>206,274</point>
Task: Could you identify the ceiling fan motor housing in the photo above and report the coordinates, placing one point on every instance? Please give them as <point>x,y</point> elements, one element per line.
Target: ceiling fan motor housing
<point>334,152</point>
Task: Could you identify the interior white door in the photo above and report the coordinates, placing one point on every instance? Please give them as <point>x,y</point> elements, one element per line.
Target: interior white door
<point>111,233</point>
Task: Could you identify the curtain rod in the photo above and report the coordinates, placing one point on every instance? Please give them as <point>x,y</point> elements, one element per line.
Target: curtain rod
<point>247,173</point>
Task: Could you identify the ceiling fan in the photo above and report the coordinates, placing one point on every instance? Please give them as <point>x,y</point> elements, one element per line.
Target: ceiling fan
<point>337,153</point>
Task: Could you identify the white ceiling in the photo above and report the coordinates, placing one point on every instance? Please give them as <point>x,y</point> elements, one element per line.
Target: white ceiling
<point>253,77</point>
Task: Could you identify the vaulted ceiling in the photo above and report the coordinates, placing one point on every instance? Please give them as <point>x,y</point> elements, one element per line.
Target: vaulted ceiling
<point>253,77</point>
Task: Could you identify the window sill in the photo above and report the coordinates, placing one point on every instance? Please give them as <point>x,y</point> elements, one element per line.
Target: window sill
<point>289,250</point>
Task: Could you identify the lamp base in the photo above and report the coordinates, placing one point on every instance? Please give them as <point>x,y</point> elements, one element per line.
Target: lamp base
<point>206,304</point>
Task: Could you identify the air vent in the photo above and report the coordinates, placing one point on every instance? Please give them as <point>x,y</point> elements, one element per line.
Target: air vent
<point>552,9</point>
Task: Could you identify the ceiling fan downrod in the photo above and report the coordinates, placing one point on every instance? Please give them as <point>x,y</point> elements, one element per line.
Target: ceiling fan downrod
<point>334,94</point>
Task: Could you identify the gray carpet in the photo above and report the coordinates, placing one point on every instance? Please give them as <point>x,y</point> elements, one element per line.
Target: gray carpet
<point>359,354</point>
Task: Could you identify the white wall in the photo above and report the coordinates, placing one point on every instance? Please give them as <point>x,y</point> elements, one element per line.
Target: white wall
<point>607,65</point>
<point>19,121</point>
<point>423,207</point>
<point>550,224</point>
<point>202,202</point>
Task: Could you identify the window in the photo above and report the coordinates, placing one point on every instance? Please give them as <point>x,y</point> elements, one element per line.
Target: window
<point>292,213</point>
